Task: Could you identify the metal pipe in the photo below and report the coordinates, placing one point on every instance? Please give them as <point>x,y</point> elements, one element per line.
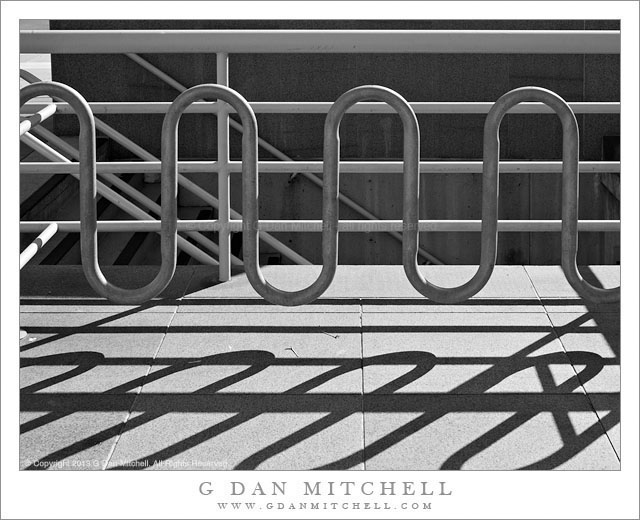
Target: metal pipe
<point>321,107</point>
<point>384,167</point>
<point>411,176</point>
<point>38,244</point>
<point>570,195</point>
<point>326,41</point>
<point>115,198</point>
<point>88,216</point>
<point>277,153</point>
<point>344,226</point>
<point>250,242</point>
<point>184,182</point>
<point>159,73</point>
<point>34,120</point>
<point>128,190</point>
<point>249,180</point>
<point>224,194</point>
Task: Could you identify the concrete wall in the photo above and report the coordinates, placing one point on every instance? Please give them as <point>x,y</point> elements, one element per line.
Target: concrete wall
<point>417,77</point>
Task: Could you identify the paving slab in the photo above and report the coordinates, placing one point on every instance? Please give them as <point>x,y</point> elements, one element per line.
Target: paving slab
<point>375,281</point>
<point>94,352</point>
<point>131,345</point>
<point>472,306</point>
<point>55,288</point>
<point>443,438</point>
<point>592,342</point>
<point>232,382</point>
<point>207,295</point>
<point>112,357</point>
<point>248,439</point>
<point>82,365</point>
<point>91,306</point>
<point>553,305</point>
<point>551,284</point>
<point>464,353</point>
<point>68,441</point>
<point>250,306</point>
<point>70,378</point>
<point>608,410</point>
<point>108,323</point>
<point>266,322</point>
<point>297,356</point>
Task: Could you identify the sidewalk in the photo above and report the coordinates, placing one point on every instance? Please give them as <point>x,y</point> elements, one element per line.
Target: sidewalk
<point>372,376</point>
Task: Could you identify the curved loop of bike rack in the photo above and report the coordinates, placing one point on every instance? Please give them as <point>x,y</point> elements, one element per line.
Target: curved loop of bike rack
<point>250,225</point>
<point>570,187</point>
<point>88,215</point>
<point>411,194</point>
<point>330,177</point>
<point>410,236</point>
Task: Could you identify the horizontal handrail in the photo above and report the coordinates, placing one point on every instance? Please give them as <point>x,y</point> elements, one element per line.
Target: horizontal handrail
<point>348,226</point>
<point>322,107</point>
<point>32,168</point>
<point>314,41</point>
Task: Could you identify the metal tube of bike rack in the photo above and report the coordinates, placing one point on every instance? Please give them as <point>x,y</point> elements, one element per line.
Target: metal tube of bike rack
<point>35,246</point>
<point>34,120</point>
<point>224,237</point>
<point>250,211</point>
<point>489,232</point>
<point>138,197</point>
<point>331,174</point>
<point>88,192</point>
<point>570,188</point>
<point>249,176</point>
<point>488,239</point>
<point>170,153</point>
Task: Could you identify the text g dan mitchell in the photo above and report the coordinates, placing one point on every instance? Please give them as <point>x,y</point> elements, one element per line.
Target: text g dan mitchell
<point>329,488</point>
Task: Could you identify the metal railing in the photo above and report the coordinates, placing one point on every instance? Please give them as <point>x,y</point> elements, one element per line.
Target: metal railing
<point>524,100</point>
<point>330,218</point>
<point>325,41</point>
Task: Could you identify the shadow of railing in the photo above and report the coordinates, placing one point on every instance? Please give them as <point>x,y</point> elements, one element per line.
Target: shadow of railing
<point>473,395</point>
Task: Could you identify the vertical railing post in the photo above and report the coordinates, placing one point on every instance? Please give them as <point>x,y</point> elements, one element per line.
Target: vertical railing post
<point>222,78</point>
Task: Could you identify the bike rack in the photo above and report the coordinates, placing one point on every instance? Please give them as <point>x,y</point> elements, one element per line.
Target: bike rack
<point>570,188</point>
<point>88,215</point>
<point>331,173</point>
